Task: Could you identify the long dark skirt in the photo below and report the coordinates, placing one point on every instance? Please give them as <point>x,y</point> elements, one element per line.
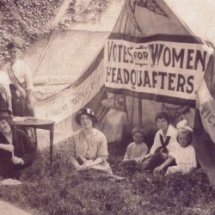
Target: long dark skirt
<point>3,103</point>
<point>11,170</point>
<point>154,161</point>
<point>19,106</point>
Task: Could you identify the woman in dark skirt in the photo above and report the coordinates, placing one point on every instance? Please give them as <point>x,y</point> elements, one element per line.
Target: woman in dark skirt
<point>21,86</point>
<point>16,149</point>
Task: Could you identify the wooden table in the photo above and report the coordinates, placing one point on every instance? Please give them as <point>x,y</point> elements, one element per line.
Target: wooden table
<point>40,124</point>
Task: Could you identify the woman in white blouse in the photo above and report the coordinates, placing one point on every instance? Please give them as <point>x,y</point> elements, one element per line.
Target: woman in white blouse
<point>88,148</point>
<point>21,86</point>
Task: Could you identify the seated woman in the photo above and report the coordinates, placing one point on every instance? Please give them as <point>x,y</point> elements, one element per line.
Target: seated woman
<point>184,156</point>
<point>137,150</point>
<point>88,147</point>
<point>164,143</point>
<point>16,149</point>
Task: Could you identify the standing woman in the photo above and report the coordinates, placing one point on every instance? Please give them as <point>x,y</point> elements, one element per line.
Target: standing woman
<point>21,83</point>
<point>88,147</point>
<point>16,149</point>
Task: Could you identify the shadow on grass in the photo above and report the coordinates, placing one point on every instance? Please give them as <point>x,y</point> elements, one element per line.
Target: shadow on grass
<point>58,190</point>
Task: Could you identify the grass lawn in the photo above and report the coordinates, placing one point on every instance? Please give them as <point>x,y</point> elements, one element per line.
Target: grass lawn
<point>59,191</point>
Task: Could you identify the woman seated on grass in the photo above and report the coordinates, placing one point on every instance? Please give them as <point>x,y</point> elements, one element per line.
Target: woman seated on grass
<point>137,150</point>
<point>16,149</point>
<point>184,156</point>
<point>89,151</point>
<point>164,143</point>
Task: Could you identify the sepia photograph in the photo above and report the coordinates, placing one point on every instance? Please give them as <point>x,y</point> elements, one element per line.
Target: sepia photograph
<point>107,107</point>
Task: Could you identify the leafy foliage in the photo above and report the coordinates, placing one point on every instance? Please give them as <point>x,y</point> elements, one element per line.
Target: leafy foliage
<point>85,11</point>
<point>26,21</point>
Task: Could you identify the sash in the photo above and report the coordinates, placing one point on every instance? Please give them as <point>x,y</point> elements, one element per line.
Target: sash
<point>2,92</point>
<point>16,82</point>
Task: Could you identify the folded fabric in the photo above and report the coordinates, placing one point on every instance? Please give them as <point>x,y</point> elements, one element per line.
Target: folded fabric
<point>10,182</point>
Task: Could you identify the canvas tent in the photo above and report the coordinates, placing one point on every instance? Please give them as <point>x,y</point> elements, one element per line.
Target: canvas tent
<point>55,63</point>
<point>150,62</point>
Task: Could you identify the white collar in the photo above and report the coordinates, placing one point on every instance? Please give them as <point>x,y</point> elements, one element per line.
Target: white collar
<point>170,131</point>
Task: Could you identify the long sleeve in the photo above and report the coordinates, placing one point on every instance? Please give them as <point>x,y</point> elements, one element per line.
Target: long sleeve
<point>128,153</point>
<point>28,78</point>
<point>156,143</point>
<point>72,150</point>
<point>102,148</point>
<point>25,148</point>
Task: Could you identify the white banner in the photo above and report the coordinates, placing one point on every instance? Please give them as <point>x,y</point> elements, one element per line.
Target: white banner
<point>163,68</point>
<point>71,100</point>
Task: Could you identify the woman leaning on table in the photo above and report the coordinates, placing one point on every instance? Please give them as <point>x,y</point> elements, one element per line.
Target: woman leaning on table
<point>88,147</point>
<point>17,151</point>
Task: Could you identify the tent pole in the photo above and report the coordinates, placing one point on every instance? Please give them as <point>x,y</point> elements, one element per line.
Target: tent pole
<point>140,115</point>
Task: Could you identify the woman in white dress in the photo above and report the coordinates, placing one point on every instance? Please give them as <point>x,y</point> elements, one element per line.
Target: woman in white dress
<point>184,156</point>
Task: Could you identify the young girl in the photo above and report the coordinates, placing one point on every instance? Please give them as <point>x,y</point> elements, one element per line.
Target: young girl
<point>136,150</point>
<point>184,156</point>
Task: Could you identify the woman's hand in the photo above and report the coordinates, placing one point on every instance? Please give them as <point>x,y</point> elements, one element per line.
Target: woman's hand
<point>16,160</point>
<point>139,160</point>
<point>158,169</point>
<point>81,168</point>
<point>88,164</point>
<point>166,163</point>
